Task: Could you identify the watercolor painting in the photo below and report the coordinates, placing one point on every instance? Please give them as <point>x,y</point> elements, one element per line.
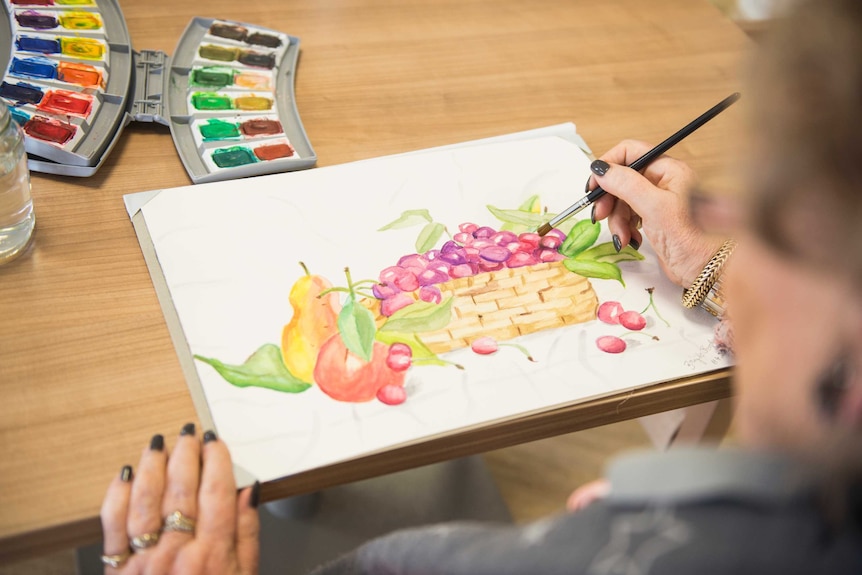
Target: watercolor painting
<point>336,312</point>
<point>479,287</point>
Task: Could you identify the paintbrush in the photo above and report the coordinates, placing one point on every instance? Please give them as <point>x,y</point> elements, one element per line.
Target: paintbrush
<point>642,162</point>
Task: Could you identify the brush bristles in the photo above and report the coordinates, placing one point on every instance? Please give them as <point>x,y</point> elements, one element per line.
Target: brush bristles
<point>544,229</point>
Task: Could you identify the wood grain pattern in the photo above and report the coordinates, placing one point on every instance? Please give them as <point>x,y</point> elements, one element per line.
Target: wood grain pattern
<point>87,370</point>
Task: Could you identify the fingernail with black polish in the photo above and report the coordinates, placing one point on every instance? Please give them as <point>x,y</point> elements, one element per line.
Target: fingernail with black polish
<point>254,500</point>
<point>188,429</point>
<point>126,473</point>
<point>618,245</point>
<point>157,443</point>
<point>600,167</point>
<point>587,187</point>
<point>636,245</point>
<point>209,436</point>
<point>593,214</point>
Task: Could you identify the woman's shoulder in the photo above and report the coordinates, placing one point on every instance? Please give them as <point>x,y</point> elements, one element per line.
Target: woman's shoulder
<point>684,511</point>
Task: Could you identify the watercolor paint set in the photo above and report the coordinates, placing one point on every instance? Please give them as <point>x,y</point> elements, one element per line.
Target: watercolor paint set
<point>73,82</point>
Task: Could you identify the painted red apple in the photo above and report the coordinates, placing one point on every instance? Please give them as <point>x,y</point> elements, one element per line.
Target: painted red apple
<point>345,376</point>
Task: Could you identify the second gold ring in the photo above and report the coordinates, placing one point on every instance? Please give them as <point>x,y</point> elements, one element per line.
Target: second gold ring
<point>178,522</point>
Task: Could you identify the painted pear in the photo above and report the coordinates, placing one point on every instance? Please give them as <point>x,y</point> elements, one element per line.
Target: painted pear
<point>315,320</point>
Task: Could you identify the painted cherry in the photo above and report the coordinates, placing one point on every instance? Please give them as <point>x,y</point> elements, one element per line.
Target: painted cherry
<point>401,278</point>
<point>610,311</point>
<point>431,294</point>
<point>532,239</point>
<point>392,394</point>
<point>632,320</point>
<point>400,357</point>
<point>484,232</point>
<point>484,345</point>
<point>383,291</point>
<point>463,238</point>
<point>550,242</point>
<point>487,345</point>
<point>558,233</point>
<point>611,344</point>
<point>520,259</point>
<point>392,304</point>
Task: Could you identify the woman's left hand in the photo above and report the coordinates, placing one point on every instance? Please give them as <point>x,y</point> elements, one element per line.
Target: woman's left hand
<point>181,513</point>
<point>587,494</point>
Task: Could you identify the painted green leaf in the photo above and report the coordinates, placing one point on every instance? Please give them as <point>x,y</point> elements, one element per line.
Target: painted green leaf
<point>407,219</point>
<point>420,316</point>
<point>583,235</point>
<point>429,236</point>
<point>594,269</point>
<point>606,252</point>
<point>420,350</point>
<point>357,329</point>
<point>528,219</point>
<point>530,205</point>
<point>265,368</point>
<point>421,354</point>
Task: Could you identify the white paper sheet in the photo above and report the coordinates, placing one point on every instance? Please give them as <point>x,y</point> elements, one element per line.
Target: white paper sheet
<point>229,253</point>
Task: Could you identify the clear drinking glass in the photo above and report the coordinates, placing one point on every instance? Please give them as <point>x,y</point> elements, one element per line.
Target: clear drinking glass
<point>16,206</point>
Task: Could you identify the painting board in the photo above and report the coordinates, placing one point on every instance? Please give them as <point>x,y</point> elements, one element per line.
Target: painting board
<point>228,254</point>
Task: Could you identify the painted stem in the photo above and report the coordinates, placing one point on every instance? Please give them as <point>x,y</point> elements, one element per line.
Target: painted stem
<point>643,333</point>
<point>333,289</point>
<point>436,361</point>
<point>349,283</point>
<point>520,348</point>
<point>652,305</point>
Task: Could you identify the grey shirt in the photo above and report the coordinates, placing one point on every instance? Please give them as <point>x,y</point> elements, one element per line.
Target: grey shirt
<point>694,511</point>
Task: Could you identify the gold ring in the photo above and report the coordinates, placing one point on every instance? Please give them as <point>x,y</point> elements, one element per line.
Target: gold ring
<point>115,561</point>
<point>145,541</point>
<point>176,521</point>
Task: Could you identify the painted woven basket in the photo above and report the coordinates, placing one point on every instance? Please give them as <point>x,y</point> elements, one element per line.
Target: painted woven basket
<point>511,302</point>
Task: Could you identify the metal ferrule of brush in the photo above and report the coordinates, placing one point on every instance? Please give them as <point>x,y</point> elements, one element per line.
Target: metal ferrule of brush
<point>571,210</point>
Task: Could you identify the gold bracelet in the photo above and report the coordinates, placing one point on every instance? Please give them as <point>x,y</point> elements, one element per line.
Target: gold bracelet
<point>694,295</point>
<point>714,300</point>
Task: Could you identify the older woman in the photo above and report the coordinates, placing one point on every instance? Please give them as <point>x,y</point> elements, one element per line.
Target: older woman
<point>788,503</point>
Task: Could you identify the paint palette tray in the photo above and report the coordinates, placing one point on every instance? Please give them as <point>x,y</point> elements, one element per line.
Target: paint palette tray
<point>73,82</point>
<point>68,72</point>
<point>231,101</point>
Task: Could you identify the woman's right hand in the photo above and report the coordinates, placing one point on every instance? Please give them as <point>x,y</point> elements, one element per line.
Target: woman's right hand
<point>659,198</point>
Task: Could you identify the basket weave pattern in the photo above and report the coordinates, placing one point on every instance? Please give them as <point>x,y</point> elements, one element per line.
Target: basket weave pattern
<point>512,302</point>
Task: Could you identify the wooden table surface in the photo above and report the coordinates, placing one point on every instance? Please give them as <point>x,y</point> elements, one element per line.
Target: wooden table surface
<point>87,370</point>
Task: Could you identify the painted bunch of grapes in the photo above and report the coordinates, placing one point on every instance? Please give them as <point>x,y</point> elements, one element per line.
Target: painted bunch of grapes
<point>471,251</point>
<point>476,288</point>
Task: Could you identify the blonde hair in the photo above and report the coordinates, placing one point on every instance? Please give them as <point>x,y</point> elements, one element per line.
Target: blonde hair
<point>806,84</point>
